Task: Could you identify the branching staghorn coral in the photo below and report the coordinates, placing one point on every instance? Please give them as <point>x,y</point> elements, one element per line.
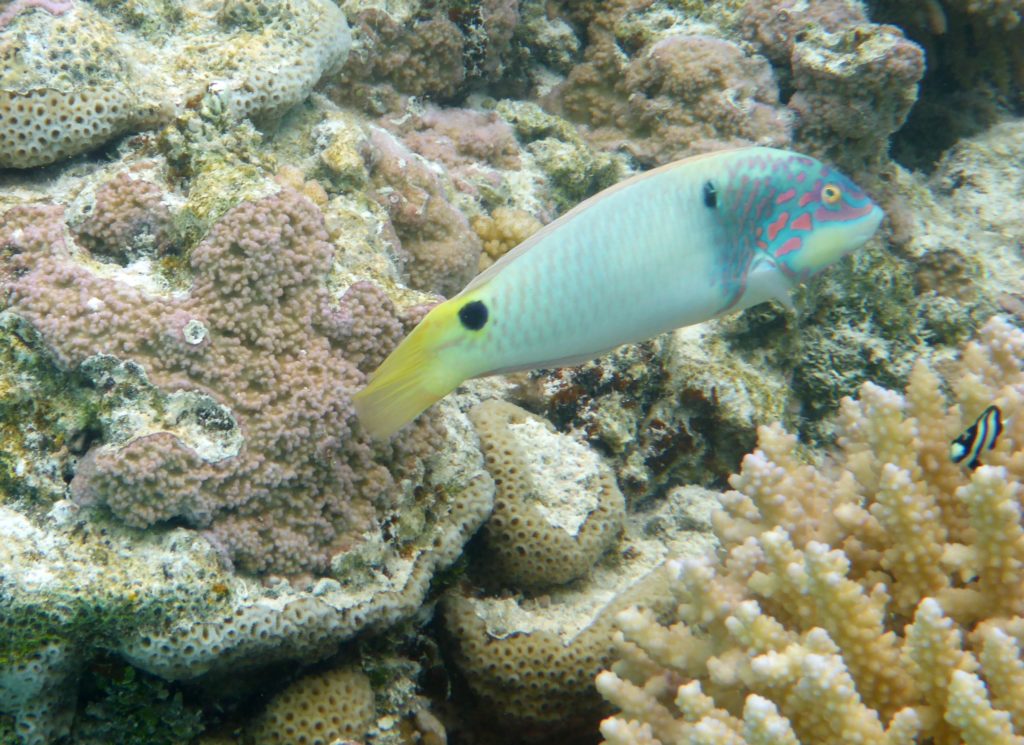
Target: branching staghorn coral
<point>876,597</point>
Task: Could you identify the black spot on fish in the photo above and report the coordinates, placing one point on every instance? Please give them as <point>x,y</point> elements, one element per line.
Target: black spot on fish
<point>710,195</point>
<point>473,315</point>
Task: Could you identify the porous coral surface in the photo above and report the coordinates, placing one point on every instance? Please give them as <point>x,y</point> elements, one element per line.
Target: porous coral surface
<point>557,508</point>
<point>318,708</point>
<point>74,77</point>
<point>66,84</point>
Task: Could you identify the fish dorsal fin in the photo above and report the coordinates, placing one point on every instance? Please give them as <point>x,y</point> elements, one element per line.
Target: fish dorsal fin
<point>487,274</point>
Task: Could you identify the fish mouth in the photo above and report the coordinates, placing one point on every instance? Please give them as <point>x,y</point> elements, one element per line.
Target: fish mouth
<point>833,241</point>
<point>865,227</point>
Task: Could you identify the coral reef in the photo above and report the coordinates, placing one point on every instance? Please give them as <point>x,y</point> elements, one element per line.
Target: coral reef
<point>133,708</point>
<point>433,50</point>
<point>66,85</point>
<point>975,71</point>
<point>473,146</point>
<point>573,170</point>
<point>164,602</point>
<point>863,598</point>
<point>530,659</point>
<point>666,100</point>
<point>678,409</point>
<point>557,507</point>
<point>71,586</point>
<point>72,80</point>
<point>273,52</point>
<point>319,708</point>
<point>854,82</point>
<point>256,312</point>
<point>659,81</point>
<point>383,580</point>
<point>838,114</point>
<point>42,418</point>
<point>421,57</point>
<point>502,230</point>
<point>128,221</point>
<point>184,316</point>
<point>440,249</point>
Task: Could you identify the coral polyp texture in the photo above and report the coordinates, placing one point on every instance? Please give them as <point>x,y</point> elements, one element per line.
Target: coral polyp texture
<point>666,101</point>
<point>434,240</point>
<point>129,220</point>
<point>873,597</point>
<point>66,84</point>
<point>258,335</point>
<point>73,77</point>
<point>557,508</point>
<point>318,709</point>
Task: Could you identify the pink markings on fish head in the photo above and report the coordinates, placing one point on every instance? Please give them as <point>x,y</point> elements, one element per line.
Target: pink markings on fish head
<point>803,222</point>
<point>776,225</point>
<point>785,196</point>
<point>790,245</point>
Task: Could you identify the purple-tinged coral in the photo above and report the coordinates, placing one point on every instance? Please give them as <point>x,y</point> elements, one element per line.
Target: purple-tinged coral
<point>854,89</point>
<point>420,58</point>
<point>251,335</point>
<point>433,52</point>
<point>675,96</point>
<point>439,246</point>
<point>53,7</point>
<point>363,324</point>
<point>459,137</point>
<point>854,81</point>
<point>775,26</point>
<point>473,146</point>
<point>128,220</point>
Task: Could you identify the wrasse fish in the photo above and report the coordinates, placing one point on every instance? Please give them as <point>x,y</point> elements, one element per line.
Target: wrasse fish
<point>981,435</point>
<point>671,247</point>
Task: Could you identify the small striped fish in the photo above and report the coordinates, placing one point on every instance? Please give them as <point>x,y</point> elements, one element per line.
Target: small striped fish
<point>981,435</point>
<point>675,246</point>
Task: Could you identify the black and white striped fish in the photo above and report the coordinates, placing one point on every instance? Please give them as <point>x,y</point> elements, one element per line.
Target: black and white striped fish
<point>981,435</point>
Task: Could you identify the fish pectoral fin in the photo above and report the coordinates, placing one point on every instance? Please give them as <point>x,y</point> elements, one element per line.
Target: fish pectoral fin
<point>786,300</point>
<point>766,281</point>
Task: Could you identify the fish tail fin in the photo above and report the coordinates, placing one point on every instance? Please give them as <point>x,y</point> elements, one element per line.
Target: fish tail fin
<point>407,383</point>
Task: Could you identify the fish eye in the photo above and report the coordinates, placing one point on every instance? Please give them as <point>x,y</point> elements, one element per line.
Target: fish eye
<point>831,194</point>
<point>473,315</point>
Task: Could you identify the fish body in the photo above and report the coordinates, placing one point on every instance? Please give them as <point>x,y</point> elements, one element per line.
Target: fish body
<point>980,436</point>
<point>675,246</point>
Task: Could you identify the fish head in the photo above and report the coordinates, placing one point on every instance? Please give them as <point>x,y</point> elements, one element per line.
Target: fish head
<point>813,216</point>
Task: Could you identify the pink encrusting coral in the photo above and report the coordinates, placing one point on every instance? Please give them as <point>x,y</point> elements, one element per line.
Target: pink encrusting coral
<point>676,96</point>
<point>855,81</point>
<point>435,240</point>
<point>260,336</point>
<point>53,7</point>
<point>128,220</point>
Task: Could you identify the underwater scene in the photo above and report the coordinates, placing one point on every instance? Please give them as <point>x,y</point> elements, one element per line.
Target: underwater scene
<point>511,372</point>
